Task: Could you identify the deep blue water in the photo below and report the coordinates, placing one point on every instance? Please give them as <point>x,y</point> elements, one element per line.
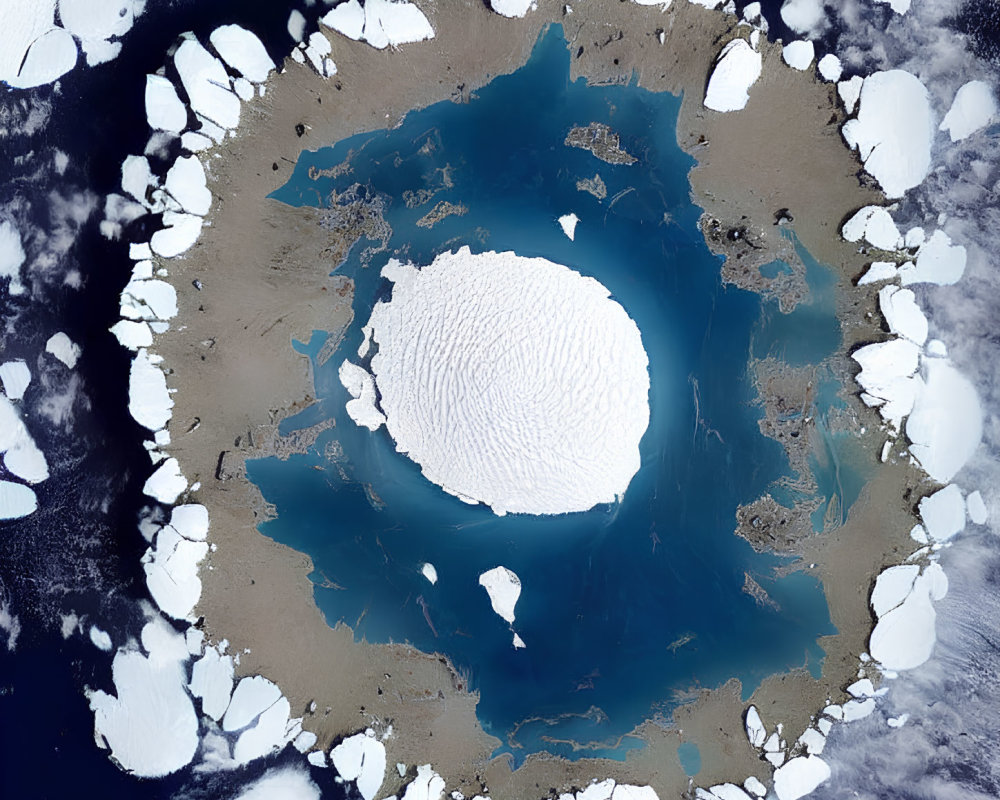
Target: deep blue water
<point>624,604</point>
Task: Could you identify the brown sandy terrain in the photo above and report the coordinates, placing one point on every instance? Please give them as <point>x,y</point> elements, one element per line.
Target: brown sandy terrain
<point>263,269</point>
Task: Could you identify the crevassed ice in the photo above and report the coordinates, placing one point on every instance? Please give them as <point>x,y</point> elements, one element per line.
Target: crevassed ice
<point>511,381</point>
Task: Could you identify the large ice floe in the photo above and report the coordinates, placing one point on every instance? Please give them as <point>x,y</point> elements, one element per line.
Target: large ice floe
<point>737,68</point>
<point>893,131</point>
<point>380,23</point>
<point>973,108</point>
<point>534,377</point>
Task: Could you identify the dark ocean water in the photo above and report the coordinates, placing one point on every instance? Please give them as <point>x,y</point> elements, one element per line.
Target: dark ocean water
<point>646,595</point>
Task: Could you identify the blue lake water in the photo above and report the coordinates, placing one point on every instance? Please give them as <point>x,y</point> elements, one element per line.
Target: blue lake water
<point>624,607</point>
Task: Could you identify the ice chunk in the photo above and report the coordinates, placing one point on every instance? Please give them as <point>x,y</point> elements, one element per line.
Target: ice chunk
<point>164,109</point>
<point>568,224</point>
<point>253,696</point>
<point>897,722</point>
<point>736,69</point>
<point>876,226</point>
<point>346,18</point>
<point>813,741</point>
<point>212,681</point>
<point>938,261</point>
<point>428,571</point>
<point>943,513</point>
<point>186,183</point>
<point>799,55</point>
<point>319,47</point>
<point>63,348</point>
<point>755,787</point>
<point>154,299</point>
<point>904,637</point>
<point>297,23</point>
<point>282,783</point>
<point>49,57</point>
<point>195,142</point>
<point>207,84</point>
<point>946,423</point>
<point>266,736</point>
<point>503,588</point>
<point>132,335</point>
<point>385,22</point>
<point>149,402</point>
<point>976,507</point>
<point>428,785</point>
<point>512,8</point>
<point>518,642</point>
<point>171,568</point>
<point>973,108</point>
<point>892,587</point>
<point>883,364</point>
<point>901,312</point>
<point>893,131</point>
<point>755,727</point>
<point>16,500</point>
<point>181,231</point>
<point>858,709</point>
<point>830,68</point>
<point>361,386</point>
<point>850,91</point>
<point>304,741</point>
<point>137,177</point>
<point>243,51</point>
<point>877,272</point>
<point>166,483</point>
<point>361,758</point>
<point>15,377</point>
<point>317,758</point>
<point>804,16</point>
<point>100,639</point>
<point>862,688</point>
<point>150,726</point>
<point>799,777</point>
<point>94,22</point>
<point>190,521</point>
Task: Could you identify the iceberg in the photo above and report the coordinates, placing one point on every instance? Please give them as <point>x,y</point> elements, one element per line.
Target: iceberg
<point>737,68</point>
<point>568,224</point>
<point>21,455</point>
<point>166,483</point>
<point>428,785</point>
<point>849,92</point>
<point>973,108</point>
<point>879,271</point>
<point>266,736</point>
<point>131,334</point>
<point>243,51</point>
<point>756,733</point>
<point>180,232</point>
<point>100,639</point>
<point>904,637</point>
<point>804,16</point>
<point>976,508</point>
<point>380,23</point>
<point>892,587</point>
<point>171,568</point>
<point>503,588</point>
<point>430,572</point>
<point>253,696</point>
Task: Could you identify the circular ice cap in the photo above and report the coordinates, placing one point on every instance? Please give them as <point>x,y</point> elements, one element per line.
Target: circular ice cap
<point>511,381</point>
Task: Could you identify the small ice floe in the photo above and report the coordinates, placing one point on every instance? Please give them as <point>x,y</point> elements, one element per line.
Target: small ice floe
<point>850,91</point>
<point>63,348</point>
<point>253,696</point>
<point>361,758</point>
<point>663,4</point>
<point>21,456</point>
<point>804,16</point>
<point>148,299</point>
<point>753,16</point>
<point>317,51</point>
<point>15,377</point>
<point>131,334</point>
<point>938,261</point>
<point>514,8</point>
<point>212,682</point>
<point>242,51</point>
<point>428,785</point>
<point>429,571</point>
<point>380,23</point>
<point>893,131</point>
<point>179,233</point>
<point>887,377</point>
<point>296,25</point>
<point>858,709</point>
<point>568,224</point>
<point>171,567</point>
<point>282,783</point>
<point>149,401</point>
<point>943,513</point>
<point>149,724</point>
<point>976,507</point>
<point>879,271</point>
<point>12,257</point>
<point>799,55</point>
<point>897,722</point>
<point>721,791</point>
<point>774,748</point>
<point>903,315</point>
<point>16,500</point>
<point>875,225</point>
<point>813,741</point>
<point>138,178</point>
<point>756,733</point>
<point>164,109</point>
<point>892,586</point>
<point>503,588</point>
<point>736,69</point>
<point>830,68</point>
<point>973,108</point>
<point>518,642</point>
<point>946,424</point>
<point>186,184</point>
<point>207,84</point>
<point>318,759</point>
<point>167,483</point>
<point>35,50</point>
<point>904,636</point>
<point>100,639</point>
<point>361,386</point>
<point>754,787</point>
<point>799,777</point>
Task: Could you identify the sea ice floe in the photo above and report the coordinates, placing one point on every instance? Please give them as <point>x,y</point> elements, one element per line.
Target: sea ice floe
<point>15,377</point>
<point>804,16</point>
<point>428,571</point>
<point>534,338</point>
<point>850,91</point>
<point>186,184</point>
<point>938,261</point>
<point>879,271</point>
<point>892,587</point>
<point>736,69</point>
<point>893,131</point>
<point>253,696</point>
<point>96,22</point>
<point>167,483</point>
<point>317,51</point>
<point>976,507</point>
<point>361,758</point>
<point>858,709</point>
<point>813,741</point>
<point>756,733</point>
<point>568,224</point>
<point>904,637</point>
<point>830,68</point>
<point>428,785</point>
<point>282,783</point>
<point>242,51</point>
<point>504,588</point>
<point>513,8</point>
<point>212,681</point>
<point>381,23</point>
<point>887,377</point>
<point>16,500</point>
<point>137,178</point>
<point>63,348</point>
<point>131,334</point>
<point>943,513</point>
<point>946,424</point>
<point>190,521</point>
<point>149,300</point>
<point>360,384</point>
<point>35,50</point>
<point>863,687</point>
<point>799,777</point>
<point>164,109</point>
<point>755,787</point>
<point>180,232</point>
<point>149,401</point>
<point>207,84</point>
<point>875,225</point>
<point>722,791</point>
<point>903,314</point>
<point>799,55</point>
<point>100,639</point>
<point>21,455</point>
<point>973,108</point>
<point>269,734</point>
<point>171,568</point>
<point>150,724</point>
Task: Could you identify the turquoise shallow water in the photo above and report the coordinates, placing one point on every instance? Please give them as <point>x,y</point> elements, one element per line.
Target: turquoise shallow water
<point>622,606</point>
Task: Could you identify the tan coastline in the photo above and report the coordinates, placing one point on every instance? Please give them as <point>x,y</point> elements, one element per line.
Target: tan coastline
<point>260,265</point>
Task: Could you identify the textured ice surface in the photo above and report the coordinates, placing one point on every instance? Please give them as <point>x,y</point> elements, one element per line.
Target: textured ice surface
<point>893,131</point>
<point>511,381</point>
<point>904,637</point>
<point>253,696</point>
<point>756,732</point>
<point>736,69</point>
<point>503,587</point>
<point>892,587</point>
